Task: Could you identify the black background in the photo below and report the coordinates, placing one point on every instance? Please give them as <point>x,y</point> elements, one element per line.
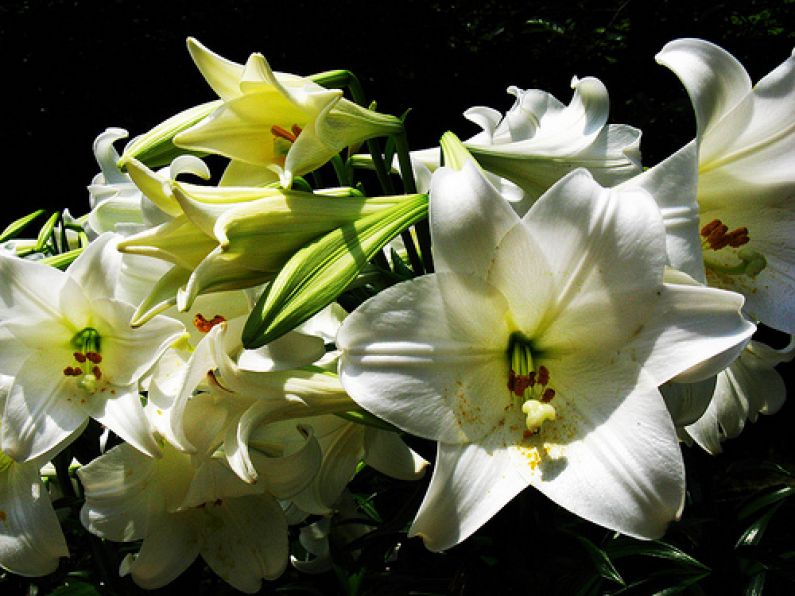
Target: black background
<point>71,69</point>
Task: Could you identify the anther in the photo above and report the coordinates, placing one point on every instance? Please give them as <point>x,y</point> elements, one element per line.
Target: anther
<point>80,357</point>
<point>278,131</point>
<point>710,227</point>
<point>204,325</point>
<point>297,130</point>
<point>548,394</point>
<point>94,357</point>
<point>96,372</point>
<point>738,237</point>
<point>543,376</point>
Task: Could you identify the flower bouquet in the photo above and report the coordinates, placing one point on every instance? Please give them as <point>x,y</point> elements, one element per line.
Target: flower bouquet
<point>217,356</point>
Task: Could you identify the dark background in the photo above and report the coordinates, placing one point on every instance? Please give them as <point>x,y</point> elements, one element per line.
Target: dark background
<point>71,69</point>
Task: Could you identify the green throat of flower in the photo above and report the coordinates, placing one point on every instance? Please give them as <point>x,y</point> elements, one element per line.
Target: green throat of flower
<point>529,384</point>
<point>725,252</point>
<point>283,140</point>
<point>86,360</point>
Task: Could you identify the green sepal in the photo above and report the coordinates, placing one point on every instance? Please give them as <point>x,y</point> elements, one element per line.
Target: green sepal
<point>16,227</point>
<point>316,274</point>
<point>46,232</point>
<point>156,147</point>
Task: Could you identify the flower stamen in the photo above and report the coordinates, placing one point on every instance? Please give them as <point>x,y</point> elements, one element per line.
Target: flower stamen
<point>283,133</point>
<point>715,236</point>
<point>204,325</point>
<point>530,385</point>
<point>87,345</point>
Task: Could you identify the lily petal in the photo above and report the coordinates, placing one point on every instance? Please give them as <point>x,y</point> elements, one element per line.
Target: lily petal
<point>31,540</point>
<point>397,341</point>
<point>470,484</point>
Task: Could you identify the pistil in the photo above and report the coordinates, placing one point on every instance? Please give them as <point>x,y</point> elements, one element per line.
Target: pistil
<point>86,359</point>
<point>529,384</point>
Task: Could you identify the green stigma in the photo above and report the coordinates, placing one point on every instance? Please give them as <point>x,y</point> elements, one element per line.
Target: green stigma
<point>86,340</point>
<point>529,384</point>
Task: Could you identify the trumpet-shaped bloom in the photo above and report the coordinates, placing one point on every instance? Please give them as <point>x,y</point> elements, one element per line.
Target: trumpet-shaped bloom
<point>117,203</point>
<point>31,540</point>
<point>539,140</point>
<point>67,342</point>
<point>281,124</point>
<point>534,354</point>
<point>182,509</point>
<point>746,180</point>
<point>748,387</point>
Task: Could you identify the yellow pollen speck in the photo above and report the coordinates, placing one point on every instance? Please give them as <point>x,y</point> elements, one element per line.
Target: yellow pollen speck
<point>532,457</point>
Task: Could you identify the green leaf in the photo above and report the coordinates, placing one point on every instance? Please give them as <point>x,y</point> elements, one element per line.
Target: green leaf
<point>63,260</point>
<point>602,561</point>
<point>367,507</point>
<point>768,498</point>
<point>320,271</point>
<point>667,583</point>
<point>75,589</point>
<point>656,549</point>
<point>753,533</point>
<point>46,232</point>
<point>756,585</point>
<point>16,227</point>
<point>399,266</point>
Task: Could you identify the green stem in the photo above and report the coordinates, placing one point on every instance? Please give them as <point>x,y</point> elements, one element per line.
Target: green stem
<point>339,170</point>
<point>410,187</point>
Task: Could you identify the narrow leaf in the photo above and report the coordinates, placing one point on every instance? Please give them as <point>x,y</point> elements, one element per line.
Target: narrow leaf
<point>46,231</point>
<point>768,498</point>
<point>602,561</point>
<point>656,549</point>
<point>753,533</point>
<point>16,227</point>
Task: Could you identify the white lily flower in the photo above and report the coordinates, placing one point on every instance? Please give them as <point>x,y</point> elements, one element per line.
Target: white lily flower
<point>126,206</point>
<point>539,140</point>
<point>65,339</point>
<point>344,444</point>
<point>274,126</point>
<point>182,509</point>
<point>31,540</point>
<point>748,387</point>
<point>223,393</point>
<point>746,180</point>
<point>534,354</point>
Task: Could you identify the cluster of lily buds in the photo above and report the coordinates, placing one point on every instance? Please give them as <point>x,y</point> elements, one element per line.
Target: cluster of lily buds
<point>545,309</point>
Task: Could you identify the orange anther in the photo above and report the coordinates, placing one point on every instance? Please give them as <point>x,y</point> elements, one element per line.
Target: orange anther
<point>278,131</point>
<point>710,227</point>
<point>204,325</point>
<point>297,130</point>
<point>738,237</point>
